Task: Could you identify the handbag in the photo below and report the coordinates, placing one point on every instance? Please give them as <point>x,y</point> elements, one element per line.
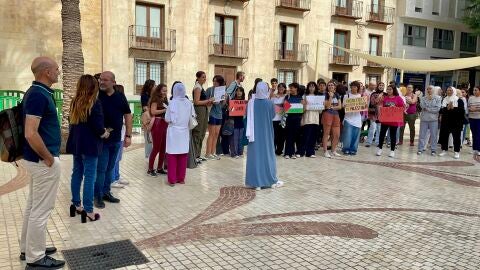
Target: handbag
<point>193,122</point>
<point>228,127</point>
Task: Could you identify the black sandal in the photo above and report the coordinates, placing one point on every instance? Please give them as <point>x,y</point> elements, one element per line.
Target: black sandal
<point>85,216</point>
<point>74,210</point>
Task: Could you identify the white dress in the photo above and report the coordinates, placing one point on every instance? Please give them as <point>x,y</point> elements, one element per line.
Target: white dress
<point>178,133</point>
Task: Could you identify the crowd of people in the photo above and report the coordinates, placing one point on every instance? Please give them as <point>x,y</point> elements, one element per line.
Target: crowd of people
<point>175,128</point>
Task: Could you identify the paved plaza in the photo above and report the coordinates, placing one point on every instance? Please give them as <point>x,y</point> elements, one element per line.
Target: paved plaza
<point>362,212</point>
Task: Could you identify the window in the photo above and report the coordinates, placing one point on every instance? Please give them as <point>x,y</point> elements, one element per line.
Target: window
<point>436,7</point>
<point>375,45</point>
<point>419,6</point>
<point>414,35</point>
<point>149,21</point>
<point>377,5</point>
<point>341,3</point>
<point>443,39</point>
<point>287,76</point>
<point>468,42</point>
<point>341,39</point>
<point>145,70</point>
<point>288,49</point>
<point>373,78</point>
<point>224,30</point>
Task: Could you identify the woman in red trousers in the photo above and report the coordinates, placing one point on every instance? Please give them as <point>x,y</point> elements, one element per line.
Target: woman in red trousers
<point>158,104</point>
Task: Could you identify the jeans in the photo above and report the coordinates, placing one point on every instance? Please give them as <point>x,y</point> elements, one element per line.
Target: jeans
<point>105,166</point>
<point>116,169</point>
<point>84,168</point>
<point>465,133</point>
<point>410,120</point>
<point>373,130</point>
<point>351,137</point>
<point>428,128</point>
<point>393,136</point>
<point>279,137</point>
<point>310,137</point>
<point>475,128</point>
<point>236,147</point>
<point>147,136</point>
<point>292,130</point>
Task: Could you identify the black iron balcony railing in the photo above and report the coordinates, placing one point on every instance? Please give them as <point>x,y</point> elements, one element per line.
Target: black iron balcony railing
<point>373,64</point>
<point>227,46</point>
<point>347,9</point>
<point>380,14</point>
<point>291,52</point>
<point>301,5</point>
<point>339,57</point>
<point>151,38</point>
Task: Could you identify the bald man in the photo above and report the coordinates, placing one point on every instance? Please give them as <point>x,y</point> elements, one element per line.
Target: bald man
<point>41,151</point>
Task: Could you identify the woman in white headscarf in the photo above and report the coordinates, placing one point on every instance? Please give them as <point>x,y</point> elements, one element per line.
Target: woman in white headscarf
<point>430,105</point>
<point>452,118</point>
<point>261,161</point>
<point>178,116</point>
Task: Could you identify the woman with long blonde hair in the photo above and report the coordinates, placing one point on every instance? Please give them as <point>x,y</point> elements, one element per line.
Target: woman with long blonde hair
<point>85,143</point>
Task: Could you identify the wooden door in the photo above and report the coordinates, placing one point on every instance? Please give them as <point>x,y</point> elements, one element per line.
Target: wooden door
<point>228,73</point>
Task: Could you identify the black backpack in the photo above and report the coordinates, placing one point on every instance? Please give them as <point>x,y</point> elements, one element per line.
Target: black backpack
<point>11,134</point>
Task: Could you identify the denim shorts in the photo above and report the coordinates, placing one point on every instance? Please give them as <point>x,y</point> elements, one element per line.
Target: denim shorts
<point>214,121</point>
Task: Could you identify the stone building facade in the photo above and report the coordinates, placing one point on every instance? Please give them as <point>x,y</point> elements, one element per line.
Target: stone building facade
<point>169,40</point>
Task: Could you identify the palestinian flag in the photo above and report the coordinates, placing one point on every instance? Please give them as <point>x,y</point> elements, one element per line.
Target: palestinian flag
<point>293,107</point>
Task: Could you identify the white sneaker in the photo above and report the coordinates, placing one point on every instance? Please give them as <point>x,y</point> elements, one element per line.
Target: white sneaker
<point>336,154</point>
<point>286,157</point>
<point>237,157</point>
<point>392,154</point>
<point>278,184</point>
<point>298,156</point>
<point>116,185</point>
<point>123,182</point>
<point>313,156</point>
<point>215,157</point>
<point>258,188</point>
<point>443,153</point>
<point>327,154</point>
<point>456,155</point>
<point>379,152</point>
<point>419,153</point>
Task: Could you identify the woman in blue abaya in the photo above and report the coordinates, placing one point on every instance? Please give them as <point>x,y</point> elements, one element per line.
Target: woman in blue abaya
<point>261,161</point>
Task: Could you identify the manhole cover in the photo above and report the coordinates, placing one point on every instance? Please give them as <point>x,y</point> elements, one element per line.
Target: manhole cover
<point>105,256</point>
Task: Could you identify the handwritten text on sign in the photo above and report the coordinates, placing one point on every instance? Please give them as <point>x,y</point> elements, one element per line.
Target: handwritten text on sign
<point>315,103</point>
<point>391,114</point>
<point>237,107</point>
<point>356,104</point>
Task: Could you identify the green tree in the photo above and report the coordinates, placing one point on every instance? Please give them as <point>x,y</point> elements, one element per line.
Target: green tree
<point>472,15</point>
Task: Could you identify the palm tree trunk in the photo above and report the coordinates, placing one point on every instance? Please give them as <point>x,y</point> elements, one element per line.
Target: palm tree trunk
<point>72,58</point>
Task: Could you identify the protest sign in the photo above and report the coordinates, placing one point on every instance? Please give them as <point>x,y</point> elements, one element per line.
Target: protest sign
<point>356,104</point>
<point>315,103</point>
<point>391,114</point>
<point>237,107</point>
<point>219,93</point>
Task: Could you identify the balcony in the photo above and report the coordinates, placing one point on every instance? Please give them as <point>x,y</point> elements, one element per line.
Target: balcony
<point>151,38</point>
<point>298,5</point>
<point>376,65</point>
<point>291,52</point>
<point>350,9</point>
<point>227,46</point>
<point>339,57</point>
<point>380,14</point>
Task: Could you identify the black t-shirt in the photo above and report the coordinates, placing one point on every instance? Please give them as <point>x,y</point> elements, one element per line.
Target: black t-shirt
<point>114,109</point>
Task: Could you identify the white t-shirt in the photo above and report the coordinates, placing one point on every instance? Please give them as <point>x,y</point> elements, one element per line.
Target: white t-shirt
<point>353,118</point>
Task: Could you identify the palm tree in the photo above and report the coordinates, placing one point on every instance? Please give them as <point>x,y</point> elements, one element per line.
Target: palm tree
<point>472,15</point>
<point>72,57</point>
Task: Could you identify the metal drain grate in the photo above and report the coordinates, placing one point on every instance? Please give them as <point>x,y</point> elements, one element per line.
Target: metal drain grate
<point>105,256</point>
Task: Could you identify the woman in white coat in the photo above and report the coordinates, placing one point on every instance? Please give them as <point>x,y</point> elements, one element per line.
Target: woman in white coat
<point>178,115</point>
